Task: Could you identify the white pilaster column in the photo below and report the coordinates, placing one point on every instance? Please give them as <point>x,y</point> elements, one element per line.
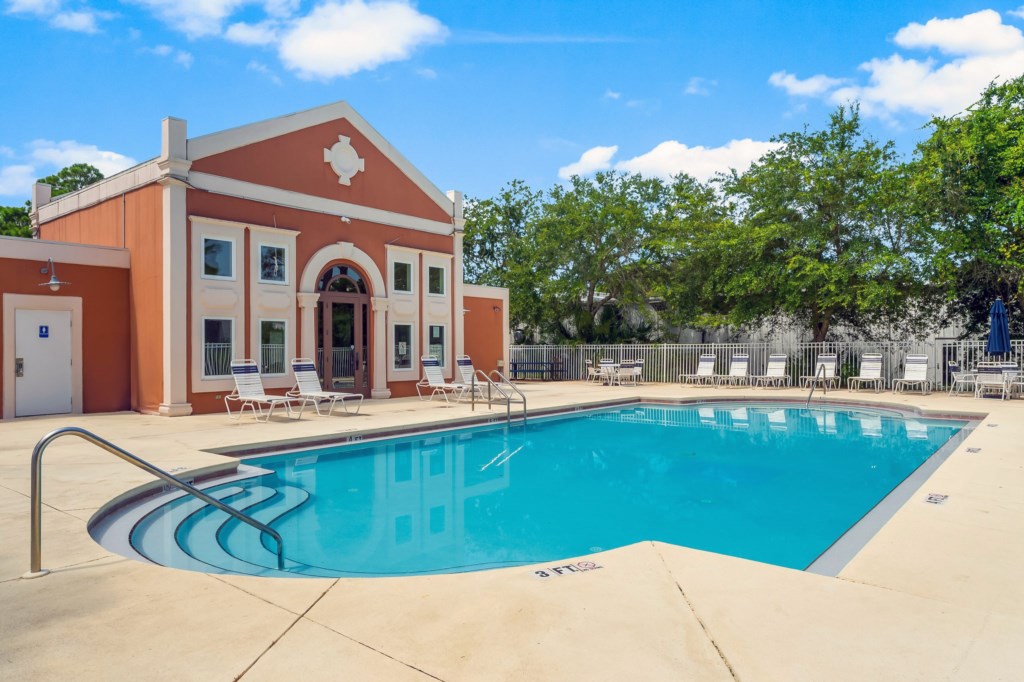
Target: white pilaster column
<point>307,329</point>
<point>379,383</point>
<point>174,168</point>
<point>458,321</point>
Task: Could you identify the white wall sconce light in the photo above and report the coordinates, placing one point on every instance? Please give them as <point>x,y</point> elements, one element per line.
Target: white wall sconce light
<point>54,283</point>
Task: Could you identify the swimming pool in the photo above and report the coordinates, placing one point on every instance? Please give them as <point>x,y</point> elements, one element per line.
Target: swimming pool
<point>770,482</point>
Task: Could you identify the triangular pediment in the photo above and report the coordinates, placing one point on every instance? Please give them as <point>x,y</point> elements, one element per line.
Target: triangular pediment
<point>329,152</point>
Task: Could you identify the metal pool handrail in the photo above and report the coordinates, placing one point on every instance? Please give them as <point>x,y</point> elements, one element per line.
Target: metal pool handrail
<point>814,385</point>
<point>497,386</point>
<point>35,546</point>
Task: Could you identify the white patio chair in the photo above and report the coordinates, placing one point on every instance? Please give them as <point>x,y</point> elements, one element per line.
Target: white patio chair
<point>870,373</point>
<point>606,370</point>
<point>915,373</point>
<point>434,380</point>
<point>827,376</point>
<point>307,388</point>
<point>705,372</point>
<point>775,374</point>
<point>738,371</point>
<point>624,374</point>
<point>991,379</point>
<point>249,392</point>
<point>593,373</point>
<point>959,379</point>
<point>638,370</point>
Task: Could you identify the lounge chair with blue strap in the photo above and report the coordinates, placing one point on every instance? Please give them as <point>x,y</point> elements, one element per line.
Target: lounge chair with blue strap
<point>307,388</point>
<point>433,379</point>
<point>250,393</point>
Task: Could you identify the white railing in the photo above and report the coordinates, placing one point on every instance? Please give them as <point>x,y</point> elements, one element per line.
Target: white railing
<point>217,359</point>
<point>665,362</point>
<point>272,358</point>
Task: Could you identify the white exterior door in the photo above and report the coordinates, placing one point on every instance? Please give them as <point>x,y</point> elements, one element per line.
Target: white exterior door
<point>42,366</point>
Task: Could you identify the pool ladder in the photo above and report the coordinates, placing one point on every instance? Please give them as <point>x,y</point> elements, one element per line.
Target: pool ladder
<point>504,388</point>
<point>35,540</point>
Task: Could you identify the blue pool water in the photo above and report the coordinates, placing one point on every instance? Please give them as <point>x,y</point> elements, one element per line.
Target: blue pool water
<point>773,483</point>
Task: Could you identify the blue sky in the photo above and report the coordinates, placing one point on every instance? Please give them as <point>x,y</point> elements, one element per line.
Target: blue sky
<point>478,93</point>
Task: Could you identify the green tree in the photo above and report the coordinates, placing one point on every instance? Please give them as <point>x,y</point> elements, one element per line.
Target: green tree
<point>498,249</point>
<point>972,170</point>
<point>15,222</point>
<point>598,242</point>
<point>72,178</point>
<point>825,230</point>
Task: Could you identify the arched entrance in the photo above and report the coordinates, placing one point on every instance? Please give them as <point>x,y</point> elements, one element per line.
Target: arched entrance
<point>342,330</point>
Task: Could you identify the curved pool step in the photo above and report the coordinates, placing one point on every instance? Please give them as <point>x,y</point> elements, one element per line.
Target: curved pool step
<point>153,536</point>
<point>247,544</point>
<point>197,534</point>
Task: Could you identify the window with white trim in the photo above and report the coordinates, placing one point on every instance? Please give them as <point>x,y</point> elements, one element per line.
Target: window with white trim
<point>401,277</point>
<point>272,346</point>
<point>273,264</point>
<point>403,346</point>
<point>218,336</point>
<point>436,342</point>
<point>435,280</point>
<point>218,258</point>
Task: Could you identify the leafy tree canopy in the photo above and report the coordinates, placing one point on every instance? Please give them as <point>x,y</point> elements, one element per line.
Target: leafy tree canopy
<point>15,220</point>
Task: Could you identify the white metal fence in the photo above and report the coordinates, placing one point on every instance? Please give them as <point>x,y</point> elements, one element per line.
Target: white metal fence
<point>665,362</point>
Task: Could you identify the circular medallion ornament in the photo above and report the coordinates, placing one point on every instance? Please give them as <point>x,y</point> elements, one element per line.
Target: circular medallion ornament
<point>344,160</point>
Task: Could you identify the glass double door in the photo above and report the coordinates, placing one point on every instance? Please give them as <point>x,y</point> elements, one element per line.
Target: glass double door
<point>342,343</point>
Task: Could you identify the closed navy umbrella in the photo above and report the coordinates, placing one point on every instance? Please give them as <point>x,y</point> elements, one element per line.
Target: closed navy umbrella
<point>999,330</point>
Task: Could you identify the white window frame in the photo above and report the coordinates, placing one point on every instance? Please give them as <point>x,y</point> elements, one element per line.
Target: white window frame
<point>442,359</point>
<point>284,364</point>
<point>412,277</point>
<point>202,346</point>
<point>412,351</point>
<point>234,258</point>
<point>444,280</point>
<point>259,263</point>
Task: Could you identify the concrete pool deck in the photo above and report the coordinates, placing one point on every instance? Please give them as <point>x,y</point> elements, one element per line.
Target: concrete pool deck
<point>936,594</point>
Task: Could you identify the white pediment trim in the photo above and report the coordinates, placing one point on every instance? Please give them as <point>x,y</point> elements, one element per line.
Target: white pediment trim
<point>307,202</point>
<point>233,138</point>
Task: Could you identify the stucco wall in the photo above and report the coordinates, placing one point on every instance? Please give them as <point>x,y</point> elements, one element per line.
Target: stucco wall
<point>106,374</point>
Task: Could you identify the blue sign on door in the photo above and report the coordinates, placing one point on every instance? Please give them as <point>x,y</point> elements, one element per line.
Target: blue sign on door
<point>44,331</point>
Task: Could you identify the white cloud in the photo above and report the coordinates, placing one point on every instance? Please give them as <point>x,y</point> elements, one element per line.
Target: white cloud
<point>181,57</point>
<point>81,20</point>
<point>424,72</point>
<point>194,18</point>
<point>281,8</point>
<point>259,67</point>
<point>671,158</point>
<point>699,86</point>
<point>808,87</point>
<point>980,33</point>
<point>1019,12</point>
<point>342,38</point>
<point>594,159</point>
<point>611,94</point>
<point>982,47</point>
<point>67,152</point>
<point>36,7</point>
<point>17,180</point>
<point>263,33</point>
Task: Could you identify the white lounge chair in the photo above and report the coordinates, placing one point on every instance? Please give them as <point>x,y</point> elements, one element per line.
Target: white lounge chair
<point>739,374</point>
<point>775,374</point>
<point>705,372</point>
<point>915,373</point>
<point>827,376</point>
<point>434,380</point>
<point>250,393</point>
<point>307,388</point>
<point>870,373</point>
<point>467,373</point>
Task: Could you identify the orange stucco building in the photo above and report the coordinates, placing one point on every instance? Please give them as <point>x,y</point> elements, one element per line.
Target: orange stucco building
<point>307,235</point>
